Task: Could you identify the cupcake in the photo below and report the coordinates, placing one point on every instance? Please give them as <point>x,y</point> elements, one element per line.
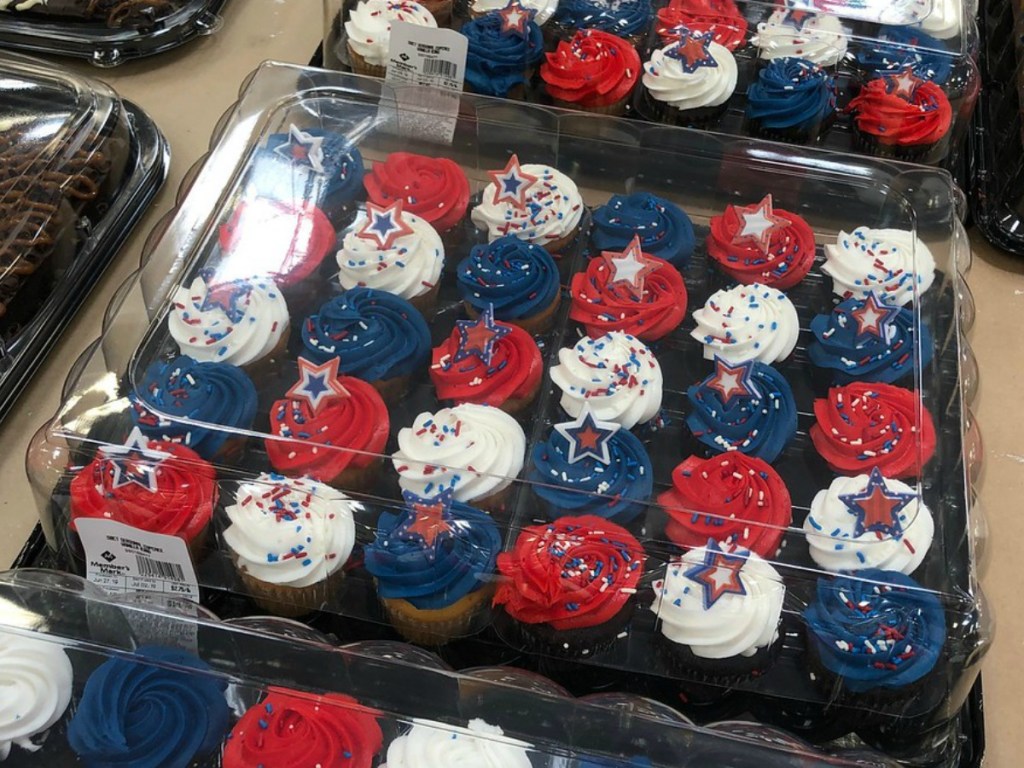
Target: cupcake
<point>893,264</point>
<point>503,48</point>
<point>290,540</point>
<point>868,521</point>
<point>761,244</point>
<point>149,711</point>
<point>376,336</point>
<point>898,48</point>
<point>569,585</point>
<point>434,564</point>
<point>476,450</point>
<point>591,467</point>
<point>595,72</point>
<point>865,340</point>
<point>732,498</point>
<point>391,250</point>
<point>664,229</point>
<point>328,427</point>
<point>533,202</point>
<point>37,675</point>
<point>902,116</point>
<point>615,374</point>
<point>517,279</point>
<point>200,405</point>
<point>478,745</point>
<point>542,10</point>
<point>719,608</point>
<point>864,425</point>
<point>369,31</point>
<point>627,19</point>
<point>747,322</point>
<point>747,407</point>
<point>629,291</point>
<point>816,37</point>
<point>487,363</point>
<point>690,82</point>
<point>296,728</point>
<point>433,188</point>
<point>721,18</point>
<point>791,100</point>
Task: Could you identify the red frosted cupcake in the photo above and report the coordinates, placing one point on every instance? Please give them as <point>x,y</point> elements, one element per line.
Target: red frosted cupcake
<point>864,425</point>
<point>732,498</point>
<point>721,18</point>
<point>901,116</point>
<point>762,244</point>
<point>488,363</point>
<point>433,188</point>
<point>595,72</point>
<point>330,428</point>
<point>631,291</point>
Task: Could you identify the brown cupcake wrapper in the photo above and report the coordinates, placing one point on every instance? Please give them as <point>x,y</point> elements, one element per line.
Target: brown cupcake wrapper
<point>361,66</point>
<point>290,602</point>
<point>436,627</point>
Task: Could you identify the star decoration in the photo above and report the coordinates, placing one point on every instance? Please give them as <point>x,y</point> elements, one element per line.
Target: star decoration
<point>384,224</point>
<point>693,50</point>
<point>757,224</point>
<point>225,296</point>
<point>427,518</point>
<point>317,384</point>
<point>514,18</point>
<point>133,462</point>
<point>904,84</point>
<point>303,147</point>
<point>873,317</point>
<point>479,337</point>
<point>511,183</point>
<point>877,507</point>
<point>732,380</point>
<point>588,437</point>
<point>630,267</point>
<point>719,574</point>
<point>797,19</point>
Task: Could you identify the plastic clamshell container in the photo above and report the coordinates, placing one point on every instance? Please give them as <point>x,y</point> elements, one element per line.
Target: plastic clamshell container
<point>256,191</point>
<point>77,168</point>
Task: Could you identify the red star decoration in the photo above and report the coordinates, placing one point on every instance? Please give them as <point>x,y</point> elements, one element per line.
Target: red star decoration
<point>732,380</point>
<point>877,507</point>
<point>479,337</point>
<point>629,268</point>
<point>514,18</point>
<point>427,518</point>
<point>797,19</point>
<point>511,183</point>
<point>317,384</point>
<point>384,225</point>
<point>757,224</point>
<point>693,50</point>
<point>873,317</point>
<point>719,573</point>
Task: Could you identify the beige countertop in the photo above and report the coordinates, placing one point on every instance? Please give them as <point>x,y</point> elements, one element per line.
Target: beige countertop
<point>187,91</point>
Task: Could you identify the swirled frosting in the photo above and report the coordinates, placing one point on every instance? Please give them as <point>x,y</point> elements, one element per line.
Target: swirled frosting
<point>791,94</point>
<point>721,18</point>
<point>819,38</point>
<point>616,374</point>
<point>369,26</point>
<point>543,10</point>
<point>573,573</point>
<point>433,188</point>
<point>36,679</point>
<point>664,228</point>
<point>667,80</point>
<point>900,47</point>
<point>290,532</point>
<point>922,117</point>
<point>479,745</point>
<point>878,629</point>
<point>284,170</point>
<point>619,17</point>
<point>239,322</point>
<point>747,322</point>
<point>732,499</point>
<point>594,69</point>
<point>518,279</point>
<point>944,19</point>
<point>891,263</point>
<point>498,60</point>
<point>477,450</point>
<point>147,716</point>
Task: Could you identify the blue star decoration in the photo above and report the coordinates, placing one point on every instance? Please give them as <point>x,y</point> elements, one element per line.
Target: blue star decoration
<point>877,507</point>
<point>226,296</point>
<point>302,149</point>
<point>693,50</point>
<point>515,18</point>
<point>588,437</point>
<point>317,384</point>
<point>732,380</point>
<point>873,318</point>
<point>719,573</point>
<point>384,225</point>
<point>133,462</point>
<point>630,268</point>
<point>428,515</point>
<point>479,337</point>
<point>511,184</point>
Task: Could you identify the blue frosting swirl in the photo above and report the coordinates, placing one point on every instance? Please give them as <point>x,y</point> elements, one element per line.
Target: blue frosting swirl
<point>877,629</point>
<point>900,47</point>
<point>274,174</point>
<point>759,425</point>
<point>144,716</point>
<point>791,93</point>
<point>619,17</point>
<point>518,278</point>
<point>623,485</point>
<point>496,61</point>
<point>431,576</point>
<point>375,334</point>
<point>853,356</point>
<point>176,399</point>
<point>664,228</point>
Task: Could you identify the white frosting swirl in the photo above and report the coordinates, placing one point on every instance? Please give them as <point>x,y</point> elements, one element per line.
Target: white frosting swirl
<point>887,262</point>
<point>821,39</point>
<point>369,26</point>
<point>477,450</point>
<point>553,209</point>
<point>409,268</point>
<point>667,81</point>
<point>543,9</point>
<point>616,374</point>
<point>436,745</point>
<point>943,20</point>
<point>291,532</point>
<point>831,531</point>
<point>35,688</point>
<point>241,333</point>
<point>735,624</point>
<point>747,322</point>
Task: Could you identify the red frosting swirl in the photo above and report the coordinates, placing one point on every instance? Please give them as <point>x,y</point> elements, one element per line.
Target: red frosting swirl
<point>358,422</point>
<point>292,729</point>
<point>720,17</point>
<point>602,306</point>
<point>790,251</point>
<point>732,498</point>
<point>181,505</point>
<point>594,69</point>
<point>573,573</point>
<point>864,425</point>
<point>433,188</point>
<point>923,117</point>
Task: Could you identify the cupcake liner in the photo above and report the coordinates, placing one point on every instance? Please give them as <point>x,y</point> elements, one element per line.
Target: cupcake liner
<point>392,390</point>
<point>362,67</point>
<point>357,478</point>
<point>723,673</point>
<point>441,10</point>
<point>534,325</point>
<point>438,626</point>
<point>570,643</point>
<point>290,602</point>
<point>426,303</point>
<point>271,362</point>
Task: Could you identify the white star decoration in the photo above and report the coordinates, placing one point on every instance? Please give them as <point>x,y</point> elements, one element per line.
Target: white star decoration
<point>134,462</point>
<point>384,225</point>
<point>587,436</point>
<point>630,267</point>
<point>514,18</point>
<point>757,223</point>
<point>905,83</point>
<point>303,146</point>
<point>511,184</point>
<point>317,384</point>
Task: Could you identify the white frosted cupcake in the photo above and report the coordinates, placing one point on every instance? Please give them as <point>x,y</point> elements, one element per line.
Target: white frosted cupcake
<point>815,37</point>
<point>369,31</point>
<point>36,678</point>
<point>479,745</point>
<point>890,263</point>
<point>747,322</point>
<point>690,81</point>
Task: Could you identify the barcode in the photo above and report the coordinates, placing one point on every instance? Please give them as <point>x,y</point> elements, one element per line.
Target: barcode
<point>158,569</point>
<point>441,67</point>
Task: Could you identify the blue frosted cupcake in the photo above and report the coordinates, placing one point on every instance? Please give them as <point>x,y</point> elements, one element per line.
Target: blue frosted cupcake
<point>628,19</point>
<point>748,407</point>
<point>791,100</point>
<point>664,228</point>
<point>898,48</point>
<point>500,59</point>
<point>200,405</point>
